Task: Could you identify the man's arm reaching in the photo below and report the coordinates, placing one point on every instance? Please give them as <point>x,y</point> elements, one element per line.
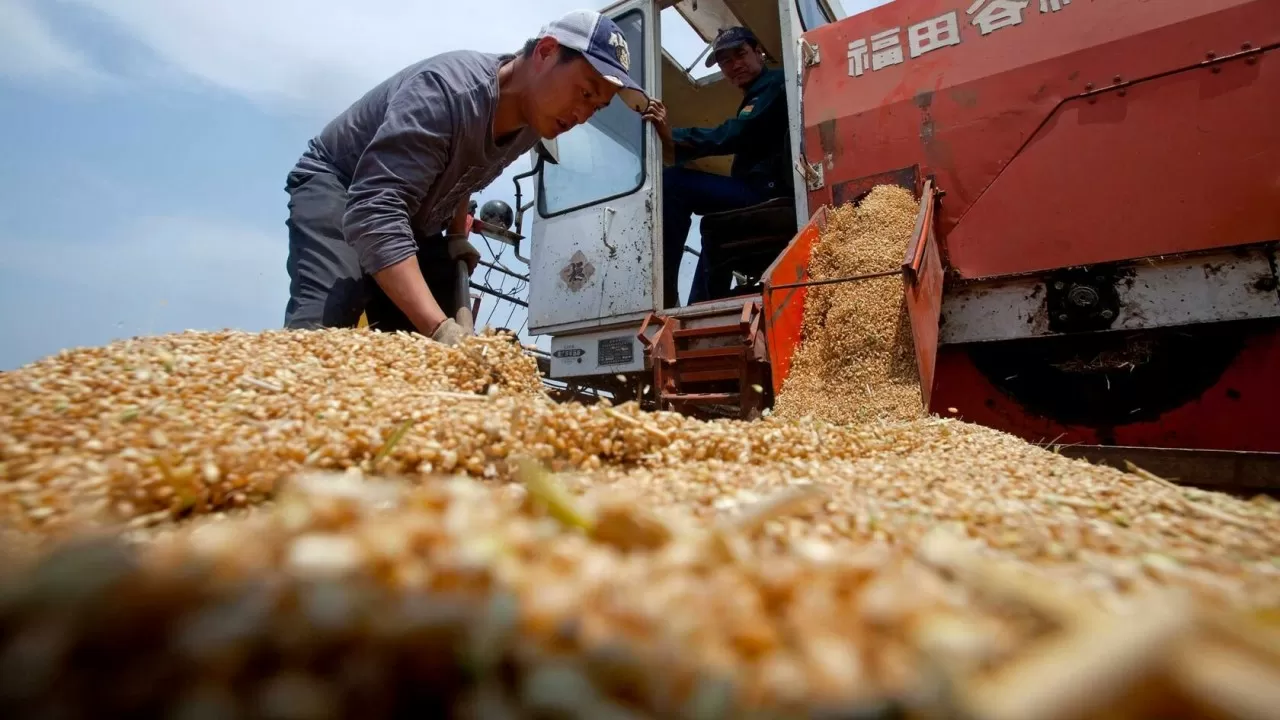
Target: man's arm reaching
<point>409,150</point>
<point>404,284</point>
<point>725,138</point>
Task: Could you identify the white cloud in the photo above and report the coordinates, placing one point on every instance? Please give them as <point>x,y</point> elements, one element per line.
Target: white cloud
<point>303,56</point>
<point>171,258</point>
<point>30,51</point>
<point>317,56</point>
<point>156,275</point>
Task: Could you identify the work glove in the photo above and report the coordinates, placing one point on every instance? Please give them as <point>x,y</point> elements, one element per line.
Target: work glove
<point>448,332</point>
<point>461,249</point>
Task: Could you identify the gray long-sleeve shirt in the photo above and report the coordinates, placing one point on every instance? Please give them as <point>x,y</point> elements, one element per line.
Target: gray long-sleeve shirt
<point>412,149</point>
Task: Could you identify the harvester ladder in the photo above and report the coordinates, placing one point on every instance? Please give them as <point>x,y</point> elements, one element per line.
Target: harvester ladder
<point>695,367</point>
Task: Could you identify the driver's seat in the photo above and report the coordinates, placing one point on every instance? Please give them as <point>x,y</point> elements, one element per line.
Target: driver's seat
<point>746,241</point>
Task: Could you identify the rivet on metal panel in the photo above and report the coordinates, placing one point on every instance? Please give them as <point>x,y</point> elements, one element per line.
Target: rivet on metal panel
<point>1210,55</point>
<point>1122,93</point>
<point>1088,86</point>
<point>1064,317</point>
<point>1115,80</point>
<point>1107,314</point>
<point>1246,46</point>
<point>1059,285</point>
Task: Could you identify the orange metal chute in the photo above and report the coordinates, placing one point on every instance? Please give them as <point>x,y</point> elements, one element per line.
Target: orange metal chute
<point>785,293</point>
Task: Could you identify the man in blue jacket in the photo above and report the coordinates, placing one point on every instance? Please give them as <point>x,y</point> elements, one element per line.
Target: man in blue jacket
<point>759,139</point>
<point>378,202</point>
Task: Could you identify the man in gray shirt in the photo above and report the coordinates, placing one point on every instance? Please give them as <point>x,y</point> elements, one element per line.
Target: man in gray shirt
<point>378,202</point>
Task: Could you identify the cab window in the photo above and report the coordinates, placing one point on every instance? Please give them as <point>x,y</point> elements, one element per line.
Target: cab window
<point>603,158</point>
<point>813,14</point>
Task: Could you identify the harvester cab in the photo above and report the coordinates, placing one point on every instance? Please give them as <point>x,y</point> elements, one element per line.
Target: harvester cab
<point>597,266</point>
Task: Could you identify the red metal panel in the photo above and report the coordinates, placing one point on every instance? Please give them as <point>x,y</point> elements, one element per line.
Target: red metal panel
<point>923,290</point>
<point>1186,161</point>
<point>784,309</point>
<point>1183,163</point>
<point>1235,413</point>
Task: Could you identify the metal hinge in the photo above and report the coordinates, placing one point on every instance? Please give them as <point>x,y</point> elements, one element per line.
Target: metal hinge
<point>812,173</point>
<point>809,54</point>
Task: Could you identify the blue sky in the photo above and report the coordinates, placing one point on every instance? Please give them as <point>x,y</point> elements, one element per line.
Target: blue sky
<point>146,143</point>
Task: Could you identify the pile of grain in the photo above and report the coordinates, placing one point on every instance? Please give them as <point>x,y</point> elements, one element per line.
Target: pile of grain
<point>856,362</point>
<point>777,564</point>
<point>200,422</point>
<point>461,599</point>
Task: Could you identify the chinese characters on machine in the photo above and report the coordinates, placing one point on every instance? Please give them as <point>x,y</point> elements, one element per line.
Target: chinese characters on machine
<point>885,48</point>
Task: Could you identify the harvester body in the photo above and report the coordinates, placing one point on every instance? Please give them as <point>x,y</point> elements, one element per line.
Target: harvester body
<point>1094,255</point>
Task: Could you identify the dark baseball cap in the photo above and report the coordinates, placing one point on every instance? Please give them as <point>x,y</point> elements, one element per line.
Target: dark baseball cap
<point>603,44</point>
<point>731,38</point>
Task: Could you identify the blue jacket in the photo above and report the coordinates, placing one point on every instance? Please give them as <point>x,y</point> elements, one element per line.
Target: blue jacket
<point>758,137</point>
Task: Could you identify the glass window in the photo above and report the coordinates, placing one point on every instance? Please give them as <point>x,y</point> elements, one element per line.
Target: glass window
<point>812,14</point>
<point>603,158</point>
<point>685,45</point>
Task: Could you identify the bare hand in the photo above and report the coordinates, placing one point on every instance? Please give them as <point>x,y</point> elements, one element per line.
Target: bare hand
<point>656,113</point>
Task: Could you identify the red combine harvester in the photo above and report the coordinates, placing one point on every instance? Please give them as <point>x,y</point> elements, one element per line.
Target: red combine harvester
<point>1094,262</point>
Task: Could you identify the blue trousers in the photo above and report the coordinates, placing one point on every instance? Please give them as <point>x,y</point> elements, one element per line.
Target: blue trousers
<point>686,193</point>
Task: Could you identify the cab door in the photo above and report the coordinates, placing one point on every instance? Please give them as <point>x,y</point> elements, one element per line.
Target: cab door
<point>595,256</point>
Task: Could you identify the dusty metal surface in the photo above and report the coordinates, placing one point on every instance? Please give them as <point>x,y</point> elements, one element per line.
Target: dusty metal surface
<point>784,308</point>
<point>923,290</point>
<point>706,309</point>
<point>594,263</point>
<point>1157,292</point>
<point>605,352</point>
